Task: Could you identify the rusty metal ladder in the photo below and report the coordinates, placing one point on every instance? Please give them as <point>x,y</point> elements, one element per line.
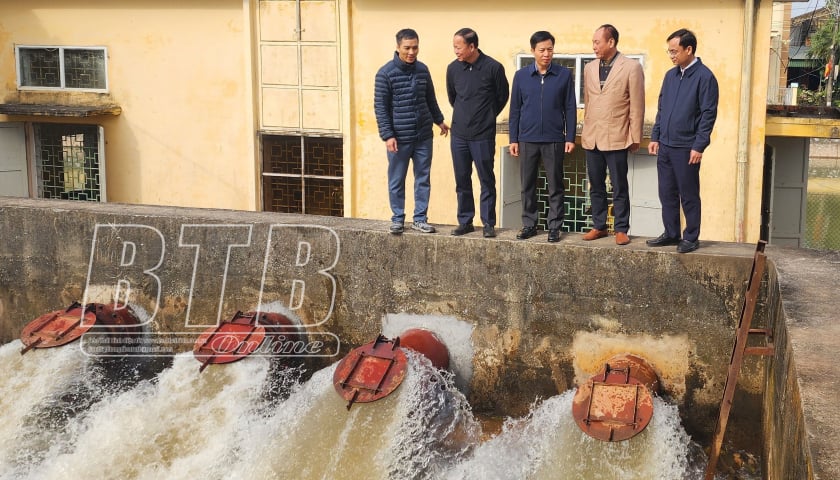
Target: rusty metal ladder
<point>738,351</point>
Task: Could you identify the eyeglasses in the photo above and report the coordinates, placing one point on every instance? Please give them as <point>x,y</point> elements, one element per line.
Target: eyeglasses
<point>672,53</point>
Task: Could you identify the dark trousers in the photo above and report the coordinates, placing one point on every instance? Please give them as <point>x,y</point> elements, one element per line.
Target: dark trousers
<point>679,184</point>
<point>597,164</point>
<point>551,155</point>
<point>465,153</point>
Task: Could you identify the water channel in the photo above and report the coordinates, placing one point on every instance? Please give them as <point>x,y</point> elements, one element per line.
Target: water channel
<point>65,415</point>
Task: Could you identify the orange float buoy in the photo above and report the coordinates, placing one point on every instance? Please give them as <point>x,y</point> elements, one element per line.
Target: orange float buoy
<point>616,403</point>
<point>426,342</point>
<point>236,339</point>
<point>116,318</point>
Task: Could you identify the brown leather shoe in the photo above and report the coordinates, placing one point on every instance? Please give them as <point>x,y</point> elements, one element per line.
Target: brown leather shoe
<point>595,234</point>
<point>621,238</point>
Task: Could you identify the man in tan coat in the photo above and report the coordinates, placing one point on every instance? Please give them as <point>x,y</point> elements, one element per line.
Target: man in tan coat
<point>614,111</point>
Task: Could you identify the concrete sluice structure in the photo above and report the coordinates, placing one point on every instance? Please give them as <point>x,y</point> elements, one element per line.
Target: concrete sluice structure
<point>540,318</point>
<point>219,425</point>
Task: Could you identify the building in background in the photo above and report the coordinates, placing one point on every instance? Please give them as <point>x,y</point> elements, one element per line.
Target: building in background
<point>268,105</point>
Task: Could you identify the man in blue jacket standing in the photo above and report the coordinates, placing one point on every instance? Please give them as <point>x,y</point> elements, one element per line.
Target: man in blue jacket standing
<point>543,115</point>
<point>406,107</point>
<point>685,118</point>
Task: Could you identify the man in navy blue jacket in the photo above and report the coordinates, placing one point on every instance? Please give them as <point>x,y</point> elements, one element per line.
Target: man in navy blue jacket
<point>685,118</point>
<point>543,115</point>
<point>405,105</point>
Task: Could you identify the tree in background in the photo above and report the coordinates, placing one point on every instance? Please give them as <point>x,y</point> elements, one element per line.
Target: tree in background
<point>824,43</point>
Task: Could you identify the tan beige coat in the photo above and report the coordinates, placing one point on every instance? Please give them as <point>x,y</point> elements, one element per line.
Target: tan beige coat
<point>613,117</point>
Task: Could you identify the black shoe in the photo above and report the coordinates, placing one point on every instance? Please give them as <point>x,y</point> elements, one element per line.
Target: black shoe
<point>662,241</point>
<point>396,228</point>
<point>685,246</point>
<point>489,231</point>
<point>526,233</point>
<point>463,229</point>
<point>554,235</point>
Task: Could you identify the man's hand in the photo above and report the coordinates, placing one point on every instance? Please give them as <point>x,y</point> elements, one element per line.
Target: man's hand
<point>391,145</point>
<point>633,147</point>
<point>653,148</point>
<point>444,129</point>
<point>570,147</point>
<point>695,157</point>
<point>513,148</point>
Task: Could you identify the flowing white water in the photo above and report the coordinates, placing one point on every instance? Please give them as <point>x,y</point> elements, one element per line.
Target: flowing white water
<point>29,380</point>
<point>547,444</point>
<point>251,420</point>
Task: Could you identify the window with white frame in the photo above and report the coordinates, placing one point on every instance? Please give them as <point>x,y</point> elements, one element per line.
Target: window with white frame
<point>62,68</point>
<point>575,63</point>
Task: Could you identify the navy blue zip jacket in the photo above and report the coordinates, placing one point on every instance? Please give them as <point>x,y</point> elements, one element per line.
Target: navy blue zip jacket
<point>404,101</point>
<point>687,108</point>
<point>543,108</point>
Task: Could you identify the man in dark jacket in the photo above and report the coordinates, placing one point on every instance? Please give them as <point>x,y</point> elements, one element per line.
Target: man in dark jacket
<point>543,115</point>
<point>478,91</point>
<point>406,108</point>
<point>685,118</point>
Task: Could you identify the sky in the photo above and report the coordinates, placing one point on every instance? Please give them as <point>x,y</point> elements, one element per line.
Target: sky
<point>798,8</point>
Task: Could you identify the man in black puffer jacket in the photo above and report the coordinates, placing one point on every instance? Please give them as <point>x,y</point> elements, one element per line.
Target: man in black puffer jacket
<point>406,108</point>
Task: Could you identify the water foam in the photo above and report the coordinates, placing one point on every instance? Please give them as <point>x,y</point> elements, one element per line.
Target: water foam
<point>413,433</point>
<point>251,420</point>
<point>547,444</point>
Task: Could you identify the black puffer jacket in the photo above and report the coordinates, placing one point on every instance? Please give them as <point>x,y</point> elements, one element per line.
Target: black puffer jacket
<point>404,101</point>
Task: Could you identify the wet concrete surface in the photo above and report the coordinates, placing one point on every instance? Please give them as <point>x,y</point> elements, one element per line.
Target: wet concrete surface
<point>809,282</point>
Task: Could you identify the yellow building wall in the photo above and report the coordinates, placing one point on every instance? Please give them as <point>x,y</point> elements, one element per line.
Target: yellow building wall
<point>504,29</point>
<point>181,71</point>
<point>196,84</point>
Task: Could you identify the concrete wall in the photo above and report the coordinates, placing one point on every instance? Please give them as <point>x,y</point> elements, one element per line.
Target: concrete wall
<point>786,445</point>
<point>541,316</point>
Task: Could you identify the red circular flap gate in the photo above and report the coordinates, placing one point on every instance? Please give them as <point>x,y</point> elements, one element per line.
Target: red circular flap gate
<point>229,341</point>
<point>616,403</point>
<point>58,328</point>
<point>370,372</point>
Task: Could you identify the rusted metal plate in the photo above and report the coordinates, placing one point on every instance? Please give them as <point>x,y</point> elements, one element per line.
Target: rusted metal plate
<point>370,372</point>
<point>616,403</point>
<point>633,366</point>
<point>58,328</point>
<point>229,341</point>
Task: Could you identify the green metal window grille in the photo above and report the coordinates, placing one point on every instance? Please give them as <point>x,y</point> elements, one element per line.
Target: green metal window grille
<point>303,175</point>
<point>578,209</point>
<point>84,69</point>
<point>40,67</point>
<point>67,161</point>
<point>62,68</point>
